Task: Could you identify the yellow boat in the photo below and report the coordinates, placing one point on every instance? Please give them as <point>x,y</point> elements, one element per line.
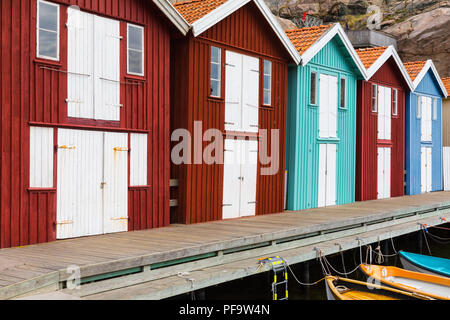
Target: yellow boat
<point>348,289</point>
<point>421,283</point>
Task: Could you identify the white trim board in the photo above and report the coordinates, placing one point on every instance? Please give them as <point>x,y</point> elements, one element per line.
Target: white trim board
<point>173,15</point>
<point>429,64</point>
<point>327,37</point>
<point>229,7</point>
<point>390,52</point>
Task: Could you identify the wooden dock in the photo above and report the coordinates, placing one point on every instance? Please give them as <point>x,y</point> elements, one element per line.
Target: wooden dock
<point>160,263</point>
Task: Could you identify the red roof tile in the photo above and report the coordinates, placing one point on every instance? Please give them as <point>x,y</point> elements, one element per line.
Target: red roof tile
<point>196,9</point>
<point>368,56</point>
<point>446,82</point>
<point>414,68</point>
<point>304,38</point>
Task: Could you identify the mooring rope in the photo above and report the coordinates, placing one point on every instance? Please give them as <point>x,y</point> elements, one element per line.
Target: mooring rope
<point>426,240</point>
<point>298,281</point>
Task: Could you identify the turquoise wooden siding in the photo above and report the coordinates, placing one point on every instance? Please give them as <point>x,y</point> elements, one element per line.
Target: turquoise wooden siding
<point>302,143</point>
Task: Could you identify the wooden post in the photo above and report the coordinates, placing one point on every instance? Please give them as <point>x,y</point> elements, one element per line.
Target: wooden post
<point>306,278</point>
<point>420,241</point>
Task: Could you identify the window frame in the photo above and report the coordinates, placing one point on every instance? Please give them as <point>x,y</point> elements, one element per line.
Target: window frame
<point>394,102</point>
<point>219,77</point>
<point>316,102</point>
<point>135,50</point>
<point>372,98</point>
<point>58,32</point>
<point>270,83</point>
<point>345,93</point>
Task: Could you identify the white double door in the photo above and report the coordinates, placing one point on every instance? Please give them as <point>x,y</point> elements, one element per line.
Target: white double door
<point>425,169</point>
<point>327,174</point>
<point>328,106</point>
<point>241,92</point>
<point>92,183</point>
<point>239,183</point>
<point>384,173</point>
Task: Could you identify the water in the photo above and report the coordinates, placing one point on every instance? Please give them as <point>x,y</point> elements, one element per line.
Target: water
<point>258,287</point>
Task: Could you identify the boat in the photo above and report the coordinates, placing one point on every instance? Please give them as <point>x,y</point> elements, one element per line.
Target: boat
<point>437,287</point>
<point>425,264</point>
<point>338,288</point>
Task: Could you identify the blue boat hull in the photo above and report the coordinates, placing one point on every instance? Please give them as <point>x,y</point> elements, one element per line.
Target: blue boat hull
<point>425,264</point>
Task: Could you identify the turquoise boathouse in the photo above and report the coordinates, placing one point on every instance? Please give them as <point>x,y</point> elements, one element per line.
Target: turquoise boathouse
<point>321,118</point>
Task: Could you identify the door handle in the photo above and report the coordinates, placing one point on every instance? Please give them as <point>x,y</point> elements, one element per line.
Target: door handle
<point>102,185</point>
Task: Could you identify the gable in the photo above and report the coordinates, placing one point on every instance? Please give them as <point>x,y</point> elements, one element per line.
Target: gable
<point>238,30</point>
<point>390,73</point>
<point>429,85</point>
<point>335,55</point>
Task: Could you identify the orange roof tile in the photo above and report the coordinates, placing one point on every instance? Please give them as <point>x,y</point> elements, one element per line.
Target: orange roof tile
<point>368,56</point>
<point>304,38</point>
<point>414,68</point>
<point>196,9</point>
<point>446,82</point>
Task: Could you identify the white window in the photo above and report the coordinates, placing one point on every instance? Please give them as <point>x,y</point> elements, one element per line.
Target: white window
<point>47,30</point>
<point>394,102</point>
<point>343,98</point>
<point>267,83</point>
<point>313,90</point>
<point>434,108</point>
<point>216,58</point>
<point>374,98</point>
<point>135,50</point>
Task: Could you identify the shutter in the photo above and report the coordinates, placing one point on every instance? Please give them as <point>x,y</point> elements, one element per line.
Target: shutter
<point>80,173</point>
<point>387,172</point>
<point>138,159</point>
<point>80,77</point>
<point>381,113</point>
<point>332,103</point>
<point>107,69</point>
<point>323,106</point>
<point>249,153</point>
<point>41,157</point>
<point>250,93</point>
<point>387,112</point>
<point>115,178</point>
<point>233,91</point>
<point>231,179</point>
<point>331,175</point>
<point>321,192</point>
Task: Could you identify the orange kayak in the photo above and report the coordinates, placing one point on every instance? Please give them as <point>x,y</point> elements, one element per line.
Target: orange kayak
<point>338,288</point>
<point>434,286</point>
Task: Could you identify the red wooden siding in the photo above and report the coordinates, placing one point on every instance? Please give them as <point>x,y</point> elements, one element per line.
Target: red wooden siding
<point>200,190</point>
<point>33,92</point>
<point>367,127</point>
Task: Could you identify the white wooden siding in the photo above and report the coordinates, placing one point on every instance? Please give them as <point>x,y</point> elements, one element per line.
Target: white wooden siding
<point>41,157</point>
<point>327,175</point>
<point>233,91</point>
<point>107,69</point>
<point>80,64</point>
<point>446,167</point>
<point>327,106</point>
<point>80,174</point>
<point>384,173</point>
<point>92,183</point>
<point>115,178</point>
<point>425,169</point>
<point>138,159</point>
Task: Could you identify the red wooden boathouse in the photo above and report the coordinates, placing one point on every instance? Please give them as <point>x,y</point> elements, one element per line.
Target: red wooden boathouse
<point>230,74</point>
<point>85,111</point>
<point>380,138</point>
